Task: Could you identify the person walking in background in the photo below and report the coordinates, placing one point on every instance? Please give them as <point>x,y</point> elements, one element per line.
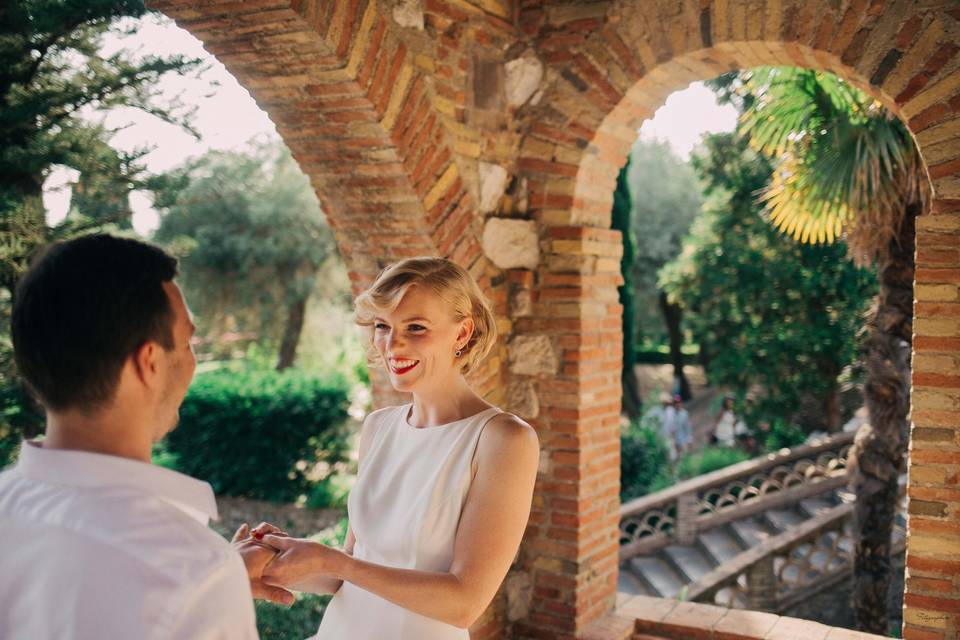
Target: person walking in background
<point>655,415</point>
<point>676,429</point>
<point>728,428</point>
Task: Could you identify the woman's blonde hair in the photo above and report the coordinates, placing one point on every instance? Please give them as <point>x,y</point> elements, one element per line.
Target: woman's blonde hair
<point>451,282</point>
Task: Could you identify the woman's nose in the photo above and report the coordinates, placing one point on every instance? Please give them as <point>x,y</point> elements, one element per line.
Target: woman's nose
<point>393,339</point>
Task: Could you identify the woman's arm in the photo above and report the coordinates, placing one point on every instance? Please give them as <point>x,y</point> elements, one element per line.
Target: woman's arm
<point>325,584</point>
<point>491,527</point>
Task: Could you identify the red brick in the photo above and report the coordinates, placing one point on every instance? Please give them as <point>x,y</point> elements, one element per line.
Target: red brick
<point>932,603</point>
<point>912,633</point>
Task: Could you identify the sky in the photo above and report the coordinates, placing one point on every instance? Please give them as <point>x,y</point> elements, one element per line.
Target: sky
<point>226,117</point>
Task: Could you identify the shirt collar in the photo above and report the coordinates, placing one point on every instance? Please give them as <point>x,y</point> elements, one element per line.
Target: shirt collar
<point>86,469</point>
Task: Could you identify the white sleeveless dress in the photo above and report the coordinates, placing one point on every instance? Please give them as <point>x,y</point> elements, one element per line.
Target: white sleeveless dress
<point>404,510</point>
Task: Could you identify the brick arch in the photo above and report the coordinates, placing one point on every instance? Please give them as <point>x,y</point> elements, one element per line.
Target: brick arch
<point>612,65</point>
<point>381,117</point>
<point>358,110</point>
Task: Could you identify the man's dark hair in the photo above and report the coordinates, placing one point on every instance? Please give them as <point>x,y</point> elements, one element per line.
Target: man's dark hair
<point>83,307</point>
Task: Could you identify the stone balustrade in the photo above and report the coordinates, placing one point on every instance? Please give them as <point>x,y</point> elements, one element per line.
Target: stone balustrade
<point>677,514</point>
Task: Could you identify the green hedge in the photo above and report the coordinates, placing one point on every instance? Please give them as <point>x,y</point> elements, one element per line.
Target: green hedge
<point>20,418</point>
<point>708,460</point>
<point>644,461</point>
<point>255,433</point>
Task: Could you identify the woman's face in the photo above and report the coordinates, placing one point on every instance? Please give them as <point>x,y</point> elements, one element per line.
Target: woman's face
<point>418,341</point>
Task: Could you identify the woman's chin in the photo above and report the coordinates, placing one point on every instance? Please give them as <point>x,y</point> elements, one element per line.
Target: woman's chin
<point>404,382</point>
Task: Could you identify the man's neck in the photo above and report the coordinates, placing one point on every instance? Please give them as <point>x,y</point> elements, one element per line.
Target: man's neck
<point>95,434</point>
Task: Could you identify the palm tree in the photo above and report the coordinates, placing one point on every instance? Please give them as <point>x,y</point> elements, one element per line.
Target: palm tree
<point>847,168</point>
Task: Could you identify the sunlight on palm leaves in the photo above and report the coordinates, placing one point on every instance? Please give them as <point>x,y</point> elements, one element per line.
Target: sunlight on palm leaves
<point>846,168</point>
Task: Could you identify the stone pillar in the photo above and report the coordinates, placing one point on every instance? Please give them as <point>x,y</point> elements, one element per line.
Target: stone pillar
<point>685,525</point>
<point>762,586</point>
<point>931,607</point>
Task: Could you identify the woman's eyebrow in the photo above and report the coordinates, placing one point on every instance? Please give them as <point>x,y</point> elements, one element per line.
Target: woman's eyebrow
<point>417,319</point>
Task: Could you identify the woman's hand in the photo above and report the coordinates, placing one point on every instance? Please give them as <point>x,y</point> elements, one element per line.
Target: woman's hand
<point>304,565</point>
<point>256,556</point>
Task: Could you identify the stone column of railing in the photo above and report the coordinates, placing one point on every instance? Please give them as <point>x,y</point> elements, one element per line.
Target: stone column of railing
<point>685,527</point>
<point>762,586</point>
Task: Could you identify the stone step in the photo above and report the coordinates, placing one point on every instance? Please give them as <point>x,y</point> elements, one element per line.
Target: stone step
<point>783,519</point>
<point>815,506</point>
<point>719,544</point>
<point>629,585</point>
<point>689,562</point>
<point>751,531</point>
<point>657,576</point>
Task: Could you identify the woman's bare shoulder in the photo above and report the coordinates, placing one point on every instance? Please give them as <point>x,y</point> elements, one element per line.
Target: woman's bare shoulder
<point>508,430</point>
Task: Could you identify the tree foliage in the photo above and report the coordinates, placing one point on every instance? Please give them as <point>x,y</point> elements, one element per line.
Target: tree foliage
<point>53,75</point>
<point>666,199</point>
<point>251,238</point>
<point>780,319</point>
<point>844,165</point>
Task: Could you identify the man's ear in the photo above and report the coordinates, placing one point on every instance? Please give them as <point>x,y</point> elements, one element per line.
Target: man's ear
<point>146,363</point>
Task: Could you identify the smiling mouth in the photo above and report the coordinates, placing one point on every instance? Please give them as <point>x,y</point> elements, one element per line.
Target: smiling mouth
<point>400,366</point>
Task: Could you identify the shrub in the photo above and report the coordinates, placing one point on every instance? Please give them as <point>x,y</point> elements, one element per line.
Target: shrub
<point>330,493</point>
<point>255,433</point>
<point>708,460</point>
<point>277,622</point>
<point>644,461</point>
<point>781,435</point>
<point>20,417</point>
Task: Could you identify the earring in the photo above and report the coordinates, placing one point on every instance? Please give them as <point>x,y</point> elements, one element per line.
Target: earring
<point>458,353</point>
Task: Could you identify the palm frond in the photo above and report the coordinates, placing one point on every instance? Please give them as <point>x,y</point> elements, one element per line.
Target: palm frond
<point>844,166</point>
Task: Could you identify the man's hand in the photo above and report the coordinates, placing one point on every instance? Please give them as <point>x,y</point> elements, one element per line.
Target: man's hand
<point>256,556</point>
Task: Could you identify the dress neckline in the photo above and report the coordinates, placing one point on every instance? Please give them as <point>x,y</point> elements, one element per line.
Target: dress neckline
<point>407,408</point>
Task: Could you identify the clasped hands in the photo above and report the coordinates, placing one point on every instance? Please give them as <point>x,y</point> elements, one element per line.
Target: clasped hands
<point>278,564</point>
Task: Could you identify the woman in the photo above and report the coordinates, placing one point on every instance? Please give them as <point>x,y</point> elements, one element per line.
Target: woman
<point>445,483</point>
<point>728,428</point>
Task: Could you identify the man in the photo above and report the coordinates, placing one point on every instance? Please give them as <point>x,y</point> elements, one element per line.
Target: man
<point>99,543</point>
<point>676,428</point>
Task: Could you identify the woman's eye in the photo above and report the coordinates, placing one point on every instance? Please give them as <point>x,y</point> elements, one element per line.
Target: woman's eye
<point>380,326</point>
<point>417,327</point>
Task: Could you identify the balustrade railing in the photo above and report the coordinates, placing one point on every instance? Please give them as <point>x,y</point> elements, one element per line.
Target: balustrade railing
<point>677,514</point>
<point>787,569</point>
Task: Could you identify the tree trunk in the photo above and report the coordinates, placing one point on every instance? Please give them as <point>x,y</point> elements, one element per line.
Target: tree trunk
<point>672,316</point>
<point>291,333</point>
<point>832,413</point>
<point>877,457</point>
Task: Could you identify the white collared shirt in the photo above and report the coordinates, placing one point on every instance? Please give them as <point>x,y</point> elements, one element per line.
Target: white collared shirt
<point>99,547</point>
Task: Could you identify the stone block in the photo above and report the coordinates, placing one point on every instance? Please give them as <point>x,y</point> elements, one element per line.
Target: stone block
<point>522,399</point>
<point>519,593</point>
<point>521,303</point>
<point>532,355</point>
<point>408,13</point>
<point>493,183</point>
<point>511,244</point>
<point>523,78</point>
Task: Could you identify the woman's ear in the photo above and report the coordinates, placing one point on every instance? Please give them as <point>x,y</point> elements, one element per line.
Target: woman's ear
<point>467,327</point>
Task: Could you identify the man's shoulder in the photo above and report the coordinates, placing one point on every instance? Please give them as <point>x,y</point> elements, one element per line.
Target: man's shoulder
<point>151,533</point>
